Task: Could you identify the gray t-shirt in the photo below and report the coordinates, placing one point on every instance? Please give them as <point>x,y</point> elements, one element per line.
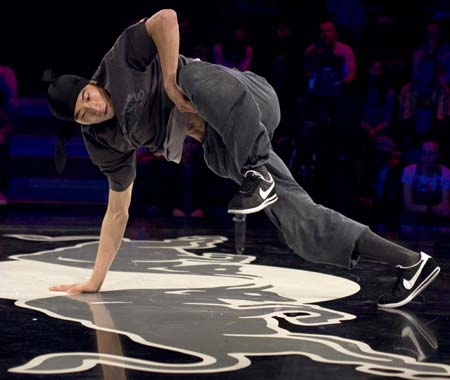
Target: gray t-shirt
<point>145,116</point>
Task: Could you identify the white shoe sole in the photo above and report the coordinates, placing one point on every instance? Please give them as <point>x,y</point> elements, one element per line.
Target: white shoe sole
<point>263,205</point>
<point>416,292</point>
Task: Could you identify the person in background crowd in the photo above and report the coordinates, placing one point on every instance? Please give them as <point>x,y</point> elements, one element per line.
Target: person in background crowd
<point>423,106</point>
<point>329,44</point>
<point>8,108</point>
<point>379,101</point>
<point>381,193</point>
<point>234,51</point>
<point>426,188</point>
<point>432,46</point>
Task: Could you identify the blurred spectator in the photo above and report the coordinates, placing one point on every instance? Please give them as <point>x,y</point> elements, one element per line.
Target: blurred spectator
<point>384,39</point>
<point>235,51</point>
<point>147,186</point>
<point>325,74</point>
<point>282,71</point>
<point>423,106</point>
<point>379,101</point>
<point>318,111</point>
<point>167,188</point>
<point>426,189</point>
<point>182,193</point>
<point>325,146</point>
<point>187,39</point>
<point>432,46</point>
<point>8,107</point>
<point>281,55</point>
<point>201,51</point>
<point>330,46</point>
<point>350,16</point>
<point>381,196</point>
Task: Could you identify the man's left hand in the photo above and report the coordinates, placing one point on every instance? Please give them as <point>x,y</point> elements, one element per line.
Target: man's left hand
<point>178,98</point>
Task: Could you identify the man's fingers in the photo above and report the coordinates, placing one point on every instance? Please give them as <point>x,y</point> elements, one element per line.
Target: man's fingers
<point>61,288</point>
<point>187,107</point>
<point>74,290</point>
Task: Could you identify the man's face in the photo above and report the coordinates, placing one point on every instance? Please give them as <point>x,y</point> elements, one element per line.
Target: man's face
<point>429,155</point>
<point>433,31</point>
<point>240,34</point>
<point>375,69</point>
<point>93,105</point>
<point>328,33</point>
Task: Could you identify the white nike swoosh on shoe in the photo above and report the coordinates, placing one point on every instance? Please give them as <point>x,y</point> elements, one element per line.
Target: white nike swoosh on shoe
<point>408,284</point>
<point>264,194</point>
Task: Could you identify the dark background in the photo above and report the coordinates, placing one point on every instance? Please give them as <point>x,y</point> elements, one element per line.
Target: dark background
<point>73,36</point>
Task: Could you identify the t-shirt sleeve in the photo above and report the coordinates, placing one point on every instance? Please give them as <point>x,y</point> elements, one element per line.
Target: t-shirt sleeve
<point>408,175</point>
<point>120,168</point>
<point>134,48</point>
<point>349,58</point>
<point>446,178</point>
<point>121,171</point>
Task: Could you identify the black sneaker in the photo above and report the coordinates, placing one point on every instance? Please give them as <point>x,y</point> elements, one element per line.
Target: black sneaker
<point>411,281</point>
<point>257,192</point>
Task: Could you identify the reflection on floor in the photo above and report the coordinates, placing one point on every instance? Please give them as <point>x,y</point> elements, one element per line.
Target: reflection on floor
<point>179,302</point>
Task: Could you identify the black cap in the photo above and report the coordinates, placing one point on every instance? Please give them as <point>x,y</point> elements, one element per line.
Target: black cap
<point>63,94</point>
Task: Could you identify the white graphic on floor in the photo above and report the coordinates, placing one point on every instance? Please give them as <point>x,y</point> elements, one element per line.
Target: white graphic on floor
<point>218,309</point>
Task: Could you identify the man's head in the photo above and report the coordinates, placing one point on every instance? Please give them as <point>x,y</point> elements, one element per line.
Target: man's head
<point>375,69</point>
<point>328,32</point>
<point>429,155</point>
<point>432,32</point>
<point>76,99</point>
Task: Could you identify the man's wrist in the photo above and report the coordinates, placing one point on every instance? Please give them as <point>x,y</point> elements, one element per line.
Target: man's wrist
<point>170,80</point>
<point>95,282</point>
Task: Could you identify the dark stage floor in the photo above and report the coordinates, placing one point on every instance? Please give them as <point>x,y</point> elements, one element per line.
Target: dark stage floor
<point>179,303</point>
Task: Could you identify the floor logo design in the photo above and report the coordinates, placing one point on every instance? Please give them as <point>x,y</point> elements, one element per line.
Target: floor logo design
<point>218,310</point>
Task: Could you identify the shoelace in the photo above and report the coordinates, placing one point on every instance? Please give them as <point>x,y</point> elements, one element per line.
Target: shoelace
<point>251,182</point>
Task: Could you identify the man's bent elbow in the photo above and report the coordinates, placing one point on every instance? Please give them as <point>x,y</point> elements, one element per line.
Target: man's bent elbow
<point>168,14</point>
<point>161,19</point>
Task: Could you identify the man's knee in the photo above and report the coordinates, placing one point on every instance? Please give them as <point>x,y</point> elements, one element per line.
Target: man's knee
<point>205,83</point>
<point>190,76</point>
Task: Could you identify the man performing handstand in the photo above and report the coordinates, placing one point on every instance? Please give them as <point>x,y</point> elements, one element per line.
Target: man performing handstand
<point>144,93</point>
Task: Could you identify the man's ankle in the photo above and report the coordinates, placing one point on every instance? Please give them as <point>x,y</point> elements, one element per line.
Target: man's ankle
<point>260,169</point>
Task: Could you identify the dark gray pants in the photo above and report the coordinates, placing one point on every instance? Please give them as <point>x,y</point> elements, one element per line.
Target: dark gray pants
<point>242,111</point>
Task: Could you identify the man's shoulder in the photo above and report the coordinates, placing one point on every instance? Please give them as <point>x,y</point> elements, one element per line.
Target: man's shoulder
<point>96,140</point>
<point>445,171</point>
<point>342,48</point>
<point>407,88</point>
<point>311,48</point>
<point>410,169</point>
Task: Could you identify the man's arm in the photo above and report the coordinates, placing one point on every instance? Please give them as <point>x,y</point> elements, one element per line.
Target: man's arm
<point>350,62</point>
<point>408,200</point>
<point>162,27</point>
<point>113,229</point>
<point>443,208</point>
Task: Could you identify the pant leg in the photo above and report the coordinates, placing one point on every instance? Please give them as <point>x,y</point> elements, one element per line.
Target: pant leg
<point>228,101</point>
<point>314,232</point>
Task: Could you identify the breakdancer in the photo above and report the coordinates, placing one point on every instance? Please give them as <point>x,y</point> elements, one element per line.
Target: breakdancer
<point>144,93</point>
